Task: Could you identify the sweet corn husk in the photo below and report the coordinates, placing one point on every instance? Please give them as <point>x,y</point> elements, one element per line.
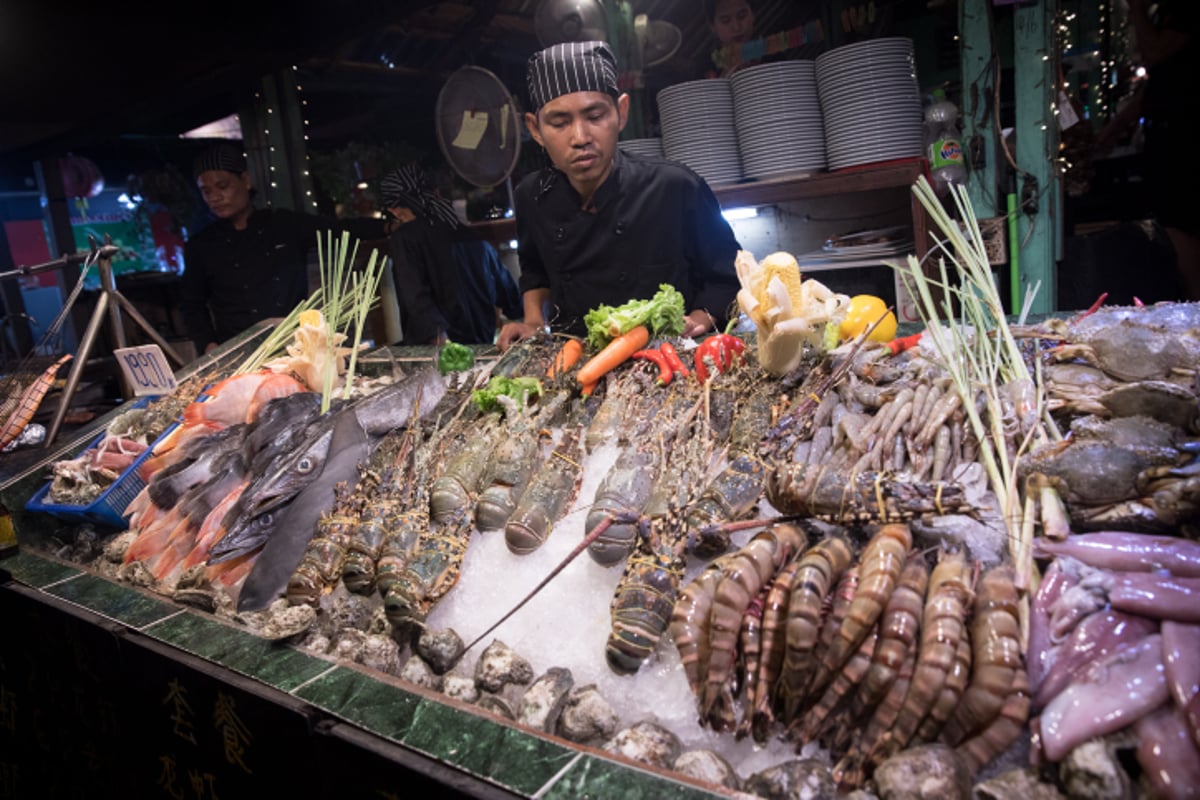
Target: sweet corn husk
<point>789,312</point>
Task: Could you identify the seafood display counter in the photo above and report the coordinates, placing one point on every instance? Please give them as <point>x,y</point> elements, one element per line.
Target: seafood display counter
<point>797,584</point>
<point>108,689</point>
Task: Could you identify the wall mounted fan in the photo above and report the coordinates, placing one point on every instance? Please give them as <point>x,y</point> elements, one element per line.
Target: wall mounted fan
<point>657,39</point>
<point>477,126</point>
<point>559,21</point>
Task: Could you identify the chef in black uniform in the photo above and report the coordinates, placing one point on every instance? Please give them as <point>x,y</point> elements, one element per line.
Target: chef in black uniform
<point>248,264</point>
<point>450,283</point>
<point>602,226</point>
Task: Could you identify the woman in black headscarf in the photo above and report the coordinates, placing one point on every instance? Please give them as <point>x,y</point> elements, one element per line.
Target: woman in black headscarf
<point>450,284</point>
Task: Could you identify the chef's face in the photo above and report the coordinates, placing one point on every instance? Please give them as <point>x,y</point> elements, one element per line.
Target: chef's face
<point>733,21</point>
<point>226,193</point>
<point>579,131</point>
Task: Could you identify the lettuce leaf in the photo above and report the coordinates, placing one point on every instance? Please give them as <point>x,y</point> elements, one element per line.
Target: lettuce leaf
<point>519,389</point>
<point>661,314</point>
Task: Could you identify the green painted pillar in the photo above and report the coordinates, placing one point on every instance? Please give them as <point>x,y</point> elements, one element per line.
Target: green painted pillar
<point>1036,128</point>
<point>295,141</point>
<point>978,119</point>
<point>273,132</point>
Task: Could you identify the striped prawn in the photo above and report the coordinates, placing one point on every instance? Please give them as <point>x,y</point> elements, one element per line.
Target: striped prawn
<point>897,633</point>
<point>690,618</point>
<point>881,563</point>
<point>772,643</point>
<point>820,569</point>
<point>943,626</point>
<point>821,716</point>
<point>850,771</point>
<point>898,630</point>
<point>996,653</point>
<point>751,567</point>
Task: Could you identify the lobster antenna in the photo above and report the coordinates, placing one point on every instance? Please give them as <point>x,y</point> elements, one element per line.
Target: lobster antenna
<point>592,535</point>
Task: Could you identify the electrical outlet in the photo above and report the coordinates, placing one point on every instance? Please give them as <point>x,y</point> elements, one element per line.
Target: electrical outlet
<point>976,152</point>
<point>1029,195</point>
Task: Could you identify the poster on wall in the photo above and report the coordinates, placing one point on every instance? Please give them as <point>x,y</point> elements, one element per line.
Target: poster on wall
<point>145,246</point>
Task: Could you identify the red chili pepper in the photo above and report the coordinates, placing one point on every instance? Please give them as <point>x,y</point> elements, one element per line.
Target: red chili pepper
<point>664,369</point>
<point>903,343</point>
<point>677,366</point>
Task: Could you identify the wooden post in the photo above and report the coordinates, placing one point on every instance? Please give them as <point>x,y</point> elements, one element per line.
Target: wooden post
<point>1038,184</point>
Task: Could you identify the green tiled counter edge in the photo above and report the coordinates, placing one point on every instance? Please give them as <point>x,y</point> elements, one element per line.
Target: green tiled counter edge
<point>514,758</point>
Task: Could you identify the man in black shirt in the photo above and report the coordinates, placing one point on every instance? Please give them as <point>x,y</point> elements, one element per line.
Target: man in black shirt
<point>607,227</point>
<point>450,284</point>
<point>249,264</point>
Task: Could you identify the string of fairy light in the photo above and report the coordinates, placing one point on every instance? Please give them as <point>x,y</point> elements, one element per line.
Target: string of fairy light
<point>1062,44</point>
<point>305,172</point>
<point>308,192</point>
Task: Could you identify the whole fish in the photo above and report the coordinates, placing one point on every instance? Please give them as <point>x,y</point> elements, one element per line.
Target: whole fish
<point>277,423</point>
<point>354,431</point>
<point>378,413</point>
<point>197,467</point>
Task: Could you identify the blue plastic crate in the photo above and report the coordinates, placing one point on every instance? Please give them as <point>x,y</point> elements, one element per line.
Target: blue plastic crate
<point>109,507</point>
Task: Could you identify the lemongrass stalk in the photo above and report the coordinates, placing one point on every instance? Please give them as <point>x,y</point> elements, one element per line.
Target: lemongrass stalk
<point>980,362</point>
<point>366,288</point>
<point>276,341</point>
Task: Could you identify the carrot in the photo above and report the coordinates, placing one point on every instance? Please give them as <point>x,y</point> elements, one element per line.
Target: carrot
<point>568,356</point>
<point>588,390</point>
<point>615,353</point>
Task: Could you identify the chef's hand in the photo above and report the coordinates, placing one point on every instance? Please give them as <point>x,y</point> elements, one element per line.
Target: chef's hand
<point>698,322</point>
<point>515,332</point>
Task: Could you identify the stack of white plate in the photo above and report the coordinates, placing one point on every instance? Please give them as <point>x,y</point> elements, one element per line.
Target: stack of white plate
<point>650,148</point>
<point>870,101</point>
<point>777,115</point>
<point>697,128</point>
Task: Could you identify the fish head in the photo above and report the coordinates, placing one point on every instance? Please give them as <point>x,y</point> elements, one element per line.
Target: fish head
<point>244,535</point>
<point>289,474</point>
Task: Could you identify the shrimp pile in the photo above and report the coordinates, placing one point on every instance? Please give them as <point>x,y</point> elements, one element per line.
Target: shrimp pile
<point>866,655</point>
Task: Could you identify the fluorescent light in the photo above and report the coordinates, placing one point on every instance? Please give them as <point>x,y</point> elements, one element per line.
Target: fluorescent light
<point>513,244</point>
<point>225,128</point>
<point>741,212</point>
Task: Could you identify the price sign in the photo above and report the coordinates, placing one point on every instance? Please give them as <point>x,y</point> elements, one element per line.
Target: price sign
<point>146,369</point>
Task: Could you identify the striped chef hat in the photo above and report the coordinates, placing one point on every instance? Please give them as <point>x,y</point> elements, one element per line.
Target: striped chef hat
<point>571,67</point>
<point>408,187</point>
<point>222,156</point>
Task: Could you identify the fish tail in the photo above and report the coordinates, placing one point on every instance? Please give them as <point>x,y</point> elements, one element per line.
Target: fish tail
<point>137,506</point>
<point>178,545</point>
<point>211,530</point>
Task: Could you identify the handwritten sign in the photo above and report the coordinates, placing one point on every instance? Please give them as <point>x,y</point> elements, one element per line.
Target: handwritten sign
<point>146,369</point>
